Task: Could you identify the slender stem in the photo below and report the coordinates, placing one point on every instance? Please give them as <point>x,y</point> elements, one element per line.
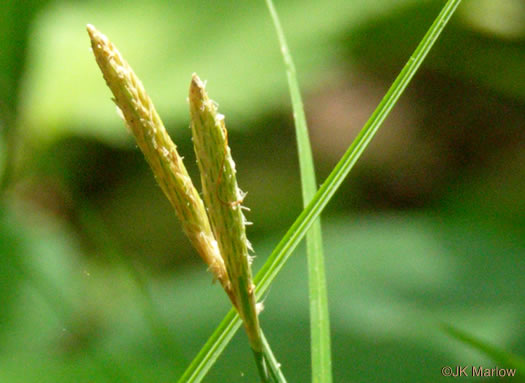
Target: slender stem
<point>274,366</point>
<point>212,349</point>
<point>260,362</point>
<point>209,353</point>
<point>293,236</point>
<point>319,314</point>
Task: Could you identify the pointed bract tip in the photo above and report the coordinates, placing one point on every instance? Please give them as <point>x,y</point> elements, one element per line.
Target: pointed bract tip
<point>96,35</point>
<point>196,88</point>
<point>91,29</point>
<point>196,81</point>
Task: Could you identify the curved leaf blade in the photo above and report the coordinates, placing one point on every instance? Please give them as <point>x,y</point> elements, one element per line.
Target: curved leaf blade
<point>221,336</point>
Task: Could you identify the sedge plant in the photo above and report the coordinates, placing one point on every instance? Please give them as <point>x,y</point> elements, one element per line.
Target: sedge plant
<point>220,338</point>
<point>215,225</point>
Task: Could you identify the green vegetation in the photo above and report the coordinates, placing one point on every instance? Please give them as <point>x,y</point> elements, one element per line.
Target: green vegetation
<point>98,281</point>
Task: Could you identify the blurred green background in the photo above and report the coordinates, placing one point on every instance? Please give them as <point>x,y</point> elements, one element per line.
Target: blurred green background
<point>98,284</point>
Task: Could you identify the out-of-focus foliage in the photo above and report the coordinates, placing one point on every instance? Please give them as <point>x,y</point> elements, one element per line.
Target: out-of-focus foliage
<point>231,43</point>
<point>14,28</point>
<point>97,282</point>
<point>166,42</point>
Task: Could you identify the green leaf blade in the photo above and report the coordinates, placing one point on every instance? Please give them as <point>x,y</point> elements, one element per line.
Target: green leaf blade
<point>212,349</point>
<point>293,236</point>
<point>319,314</point>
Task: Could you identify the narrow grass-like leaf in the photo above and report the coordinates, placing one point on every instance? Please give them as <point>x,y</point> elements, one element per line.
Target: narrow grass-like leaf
<point>214,346</point>
<point>319,314</point>
<point>212,349</point>
<point>496,354</point>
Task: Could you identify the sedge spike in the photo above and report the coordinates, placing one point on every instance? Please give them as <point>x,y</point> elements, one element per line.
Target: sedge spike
<point>223,200</point>
<point>140,116</point>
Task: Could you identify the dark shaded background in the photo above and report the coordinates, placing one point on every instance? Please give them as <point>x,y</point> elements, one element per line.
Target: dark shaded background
<point>98,284</point>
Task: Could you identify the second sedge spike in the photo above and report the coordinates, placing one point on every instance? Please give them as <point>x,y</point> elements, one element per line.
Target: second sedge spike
<point>223,200</point>
<point>160,152</point>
